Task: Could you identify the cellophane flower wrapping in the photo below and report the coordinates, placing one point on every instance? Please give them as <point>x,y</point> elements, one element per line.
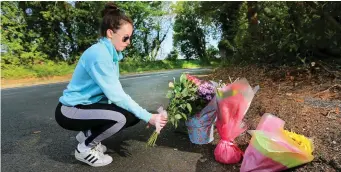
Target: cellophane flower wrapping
<point>272,148</point>
<point>233,102</point>
<point>201,125</point>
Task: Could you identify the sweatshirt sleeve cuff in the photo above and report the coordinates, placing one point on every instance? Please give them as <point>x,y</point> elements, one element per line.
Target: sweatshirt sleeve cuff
<point>145,116</point>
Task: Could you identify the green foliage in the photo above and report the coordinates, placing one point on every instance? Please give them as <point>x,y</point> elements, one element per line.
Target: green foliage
<point>277,32</point>
<point>267,32</point>
<point>34,32</point>
<point>14,32</point>
<point>150,28</point>
<point>48,24</point>
<point>53,69</point>
<point>212,52</point>
<point>140,66</point>
<point>42,70</point>
<point>86,19</point>
<point>184,99</point>
<point>173,55</point>
<point>181,94</point>
<point>63,68</point>
<point>17,72</point>
<point>189,31</point>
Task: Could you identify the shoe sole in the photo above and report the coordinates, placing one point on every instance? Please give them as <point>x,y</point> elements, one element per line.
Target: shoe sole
<point>91,164</point>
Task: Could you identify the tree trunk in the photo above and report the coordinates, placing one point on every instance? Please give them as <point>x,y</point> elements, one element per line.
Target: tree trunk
<point>252,15</point>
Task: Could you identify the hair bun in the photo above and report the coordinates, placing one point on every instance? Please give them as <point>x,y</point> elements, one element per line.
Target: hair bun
<point>110,8</point>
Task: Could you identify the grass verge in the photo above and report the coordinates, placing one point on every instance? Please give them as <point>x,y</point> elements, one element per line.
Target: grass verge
<point>51,69</point>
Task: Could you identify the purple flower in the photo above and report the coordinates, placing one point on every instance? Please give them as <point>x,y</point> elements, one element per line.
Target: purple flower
<point>206,91</point>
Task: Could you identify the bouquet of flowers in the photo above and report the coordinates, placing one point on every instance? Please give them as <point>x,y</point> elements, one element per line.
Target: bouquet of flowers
<point>233,102</point>
<point>274,149</point>
<point>188,97</point>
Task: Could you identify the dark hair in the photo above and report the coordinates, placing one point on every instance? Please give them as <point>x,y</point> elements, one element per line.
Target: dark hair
<point>113,18</point>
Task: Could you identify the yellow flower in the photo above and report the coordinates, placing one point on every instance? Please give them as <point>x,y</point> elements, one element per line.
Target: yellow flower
<point>219,93</point>
<point>301,140</point>
<point>234,92</point>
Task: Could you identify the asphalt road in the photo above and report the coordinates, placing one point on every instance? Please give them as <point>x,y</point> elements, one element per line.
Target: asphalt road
<point>31,140</point>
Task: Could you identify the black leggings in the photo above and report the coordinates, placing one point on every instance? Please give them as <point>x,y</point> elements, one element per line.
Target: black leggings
<point>103,120</point>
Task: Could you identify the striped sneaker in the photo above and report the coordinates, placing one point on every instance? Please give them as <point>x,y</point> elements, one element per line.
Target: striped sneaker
<point>93,157</point>
<point>81,137</point>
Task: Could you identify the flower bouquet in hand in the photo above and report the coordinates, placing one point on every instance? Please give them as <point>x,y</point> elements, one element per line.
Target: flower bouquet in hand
<point>154,136</point>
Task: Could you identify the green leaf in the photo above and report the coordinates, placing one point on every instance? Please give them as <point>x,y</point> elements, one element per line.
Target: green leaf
<point>177,89</point>
<point>184,116</point>
<point>189,107</point>
<point>183,78</point>
<point>169,94</point>
<point>172,120</point>
<point>177,95</point>
<point>185,92</point>
<point>178,116</point>
<point>182,106</point>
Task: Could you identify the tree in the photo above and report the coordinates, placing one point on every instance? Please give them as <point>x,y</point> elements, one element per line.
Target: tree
<point>212,52</point>
<point>173,55</point>
<point>189,31</point>
<point>46,21</point>
<point>84,26</point>
<point>150,27</point>
<point>275,32</point>
<point>226,16</point>
<point>21,44</point>
<point>61,31</point>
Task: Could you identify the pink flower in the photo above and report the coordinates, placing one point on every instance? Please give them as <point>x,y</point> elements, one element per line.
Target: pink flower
<point>193,79</point>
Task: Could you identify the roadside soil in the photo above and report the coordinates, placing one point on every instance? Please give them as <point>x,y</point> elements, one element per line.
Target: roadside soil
<point>308,101</point>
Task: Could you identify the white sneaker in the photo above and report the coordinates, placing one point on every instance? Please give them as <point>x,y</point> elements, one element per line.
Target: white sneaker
<point>93,157</point>
<point>81,137</point>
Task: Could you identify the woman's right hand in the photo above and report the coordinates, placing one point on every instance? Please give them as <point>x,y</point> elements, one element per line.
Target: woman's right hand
<point>154,118</point>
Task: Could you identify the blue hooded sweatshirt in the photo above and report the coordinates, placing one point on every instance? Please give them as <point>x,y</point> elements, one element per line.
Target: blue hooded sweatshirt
<point>96,79</point>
